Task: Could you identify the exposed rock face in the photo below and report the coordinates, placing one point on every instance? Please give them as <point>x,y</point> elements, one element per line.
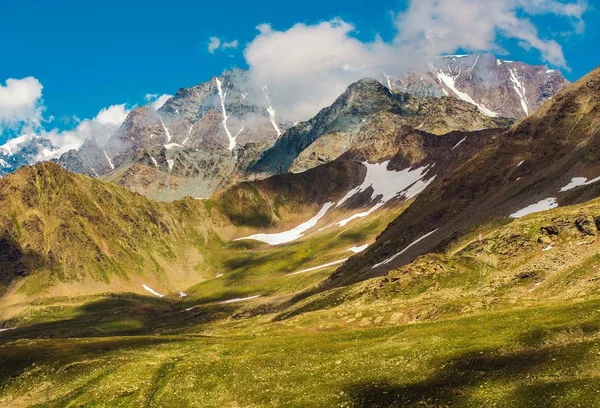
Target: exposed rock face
<point>90,159</point>
<point>366,112</point>
<point>498,87</point>
<point>224,113</point>
<point>192,143</point>
<point>225,130</point>
<point>535,161</point>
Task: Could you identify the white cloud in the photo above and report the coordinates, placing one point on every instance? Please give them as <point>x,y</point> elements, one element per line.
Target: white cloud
<point>101,127</point>
<point>232,44</point>
<point>439,26</point>
<point>156,101</point>
<point>20,103</point>
<point>307,66</point>
<point>215,43</point>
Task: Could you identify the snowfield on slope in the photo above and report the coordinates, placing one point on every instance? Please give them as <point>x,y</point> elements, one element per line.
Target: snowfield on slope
<point>385,184</point>
<point>545,204</point>
<point>579,182</point>
<point>388,184</point>
<point>293,234</point>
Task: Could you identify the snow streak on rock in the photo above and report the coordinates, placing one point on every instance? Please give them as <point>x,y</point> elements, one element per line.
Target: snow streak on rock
<point>110,163</point>
<point>225,117</point>
<point>450,83</point>
<point>390,259</point>
<point>519,89</point>
<point>166,130</point>
<point>271,111</point>
<point>458,144</point>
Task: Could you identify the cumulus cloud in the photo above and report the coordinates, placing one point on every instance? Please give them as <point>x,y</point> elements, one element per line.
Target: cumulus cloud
<point>307,66</point>
<point>20,103</point>
<point>101,127</point>
<point>215,43</point>
<point>156,101</point>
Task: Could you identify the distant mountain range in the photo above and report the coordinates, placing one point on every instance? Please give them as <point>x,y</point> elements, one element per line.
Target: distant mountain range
<point>212,135</point>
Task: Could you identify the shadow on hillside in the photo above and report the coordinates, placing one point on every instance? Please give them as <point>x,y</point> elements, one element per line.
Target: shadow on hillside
<point>15,262</point>
<point>474,379</point>
<point>120,315</point>
<point>18,357</point>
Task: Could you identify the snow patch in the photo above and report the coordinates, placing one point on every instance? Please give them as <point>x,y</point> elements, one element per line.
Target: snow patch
<point>149,289</point>
<point>293,234</point>
<point>450,83</point>
<point>358,249</point>
<point>171,163</point>
<point>548,248</point>
<point>458,144</point>
<point>546,204</point>
<point>172,145</point>
<point>7,329</point>
<point>314,268</point>
<point>182,295</point>
<point>579,182</point>
<point>154,161</point>
<point>521,162</point>
<point>236,300</point>
<point>519,89</point>
<point>4,164</point>
<point>387,184</point>
<point>390,259</point>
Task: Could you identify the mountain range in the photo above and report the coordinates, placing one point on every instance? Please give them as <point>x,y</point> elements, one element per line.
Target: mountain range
<point>448,240</point>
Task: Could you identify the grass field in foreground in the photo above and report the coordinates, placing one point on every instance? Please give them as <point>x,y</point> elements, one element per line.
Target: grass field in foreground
<point>545,355</point>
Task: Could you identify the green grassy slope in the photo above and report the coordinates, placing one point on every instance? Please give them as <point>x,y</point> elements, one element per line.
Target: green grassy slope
<point>423,335</point>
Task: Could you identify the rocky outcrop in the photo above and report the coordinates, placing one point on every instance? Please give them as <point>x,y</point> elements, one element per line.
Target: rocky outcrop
<point>497,87</point>
<point>366,112</point>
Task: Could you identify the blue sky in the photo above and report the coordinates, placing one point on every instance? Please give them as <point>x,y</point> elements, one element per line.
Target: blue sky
<point>90,55</point>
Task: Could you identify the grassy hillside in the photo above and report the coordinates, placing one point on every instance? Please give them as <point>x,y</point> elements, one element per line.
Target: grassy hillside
<point>64,235</point>
<point>422,336</point>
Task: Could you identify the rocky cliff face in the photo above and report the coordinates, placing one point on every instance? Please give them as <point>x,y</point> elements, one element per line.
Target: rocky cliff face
<point>225,130</point>
<point>547,160</point>
<point>497,87</point>
<point>366,112</point>
<point>90,159</point>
